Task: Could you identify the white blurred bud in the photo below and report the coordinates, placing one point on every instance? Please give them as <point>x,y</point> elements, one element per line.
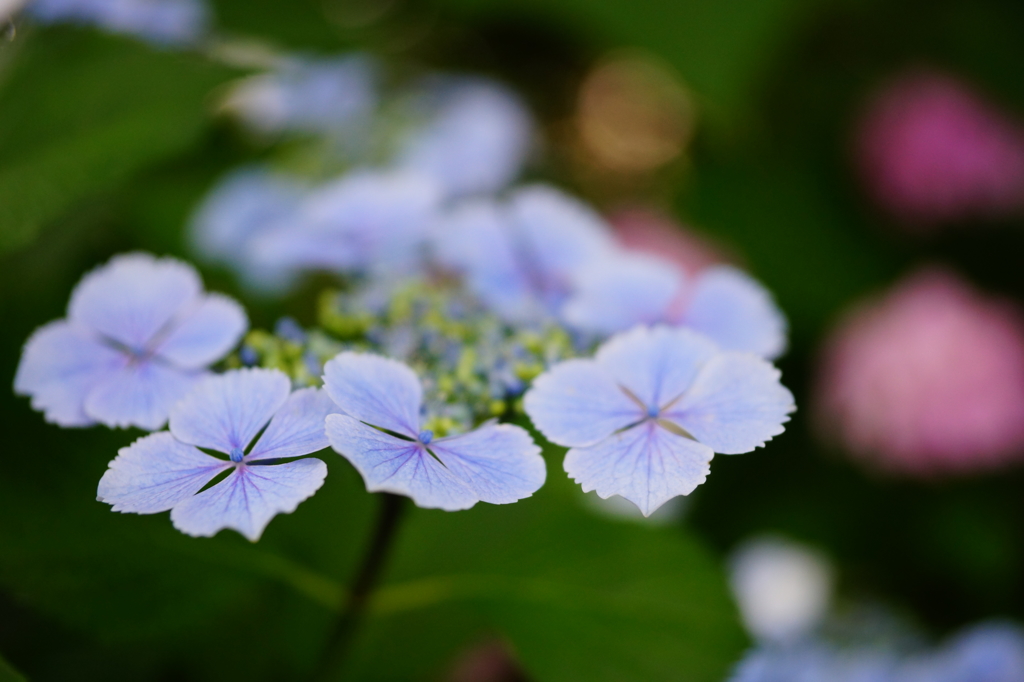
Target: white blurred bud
<point>783,589</point>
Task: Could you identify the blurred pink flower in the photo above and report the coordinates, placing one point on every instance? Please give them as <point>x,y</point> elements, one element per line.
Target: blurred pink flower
<point>927,380</point>
<point>649,231</point>
<point>931,150</point>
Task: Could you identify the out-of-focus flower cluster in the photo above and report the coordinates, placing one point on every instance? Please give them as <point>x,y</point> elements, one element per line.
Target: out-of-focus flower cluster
<point>784,592</point>
<point>931,150</point>
<point>927,379</point>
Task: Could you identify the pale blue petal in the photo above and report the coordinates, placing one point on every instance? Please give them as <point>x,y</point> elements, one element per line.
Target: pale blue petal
<point>558,233</point>
<point>735,404</point>
<point>376,390</point>
<point>475,241</point>
<point>249,498</point>
<point>312,95</point>
<point>389,464</point>
<point>645,464</point>
<point>155,473</point>
<point>476,140</point>
<point>297,428</point>
<point>734,310</point>
<point>988,652</point>
<point>243,204</point>
<point>163,22</point>
<point>365,221</point>
<point>133,297</point>
<point>205,333</point>
<point>60,364</point>
<point>656,363</point>
<point>500,463</point>
<point>139,394</point>
<point>225,412</point>
<point>578,403</point>
<point>617,293</point>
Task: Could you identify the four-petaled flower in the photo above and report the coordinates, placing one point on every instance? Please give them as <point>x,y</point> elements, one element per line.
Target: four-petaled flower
<point>139,334</point>
<point>646,415</point>
<point>226,414</point>
<point>722,302</point>
<point>380,432</point>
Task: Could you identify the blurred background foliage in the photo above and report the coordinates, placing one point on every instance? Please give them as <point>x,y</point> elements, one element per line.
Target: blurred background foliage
<point>106,145</point>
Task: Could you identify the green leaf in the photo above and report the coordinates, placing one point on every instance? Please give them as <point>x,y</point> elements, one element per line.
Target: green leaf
<point>81,113</point>
<point>578,597</point>
<point>9,674</point>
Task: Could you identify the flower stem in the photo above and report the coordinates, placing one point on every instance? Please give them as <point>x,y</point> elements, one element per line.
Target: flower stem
<point>340,641</point>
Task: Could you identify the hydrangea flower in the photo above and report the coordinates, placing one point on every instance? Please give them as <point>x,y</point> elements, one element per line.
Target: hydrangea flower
<point>926,380</point>
<point>987,652</point>
<point>645,416</point>
<point>226,413</point>
<point>139,334</point>
<point>244,204</point>
<point>722,302</point>
<point>364,221</point>
<point>163,22</point>
<point>380,432</point>
<point>476,137</point>
<point>336,95</point>
<point>930,150</point>
<point>816,661</point>
<point>520,257</point>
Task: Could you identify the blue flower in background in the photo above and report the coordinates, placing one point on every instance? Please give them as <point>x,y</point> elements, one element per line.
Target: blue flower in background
<point>646,415</point>
<point>520,257</point>
<point>476,137</point>
<point>139,334</point>
<point>988,652</point>
<point>721,302</point>
<point>365,221</point>
<point>815,661</point>
<point>337,96</point>
<point>162,22</point>
<point>244,204</point>
<point>226,413</point>
<point>380,432</point>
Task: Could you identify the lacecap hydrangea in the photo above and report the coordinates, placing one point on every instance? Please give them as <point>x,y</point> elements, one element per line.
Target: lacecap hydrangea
<point>461,310</point>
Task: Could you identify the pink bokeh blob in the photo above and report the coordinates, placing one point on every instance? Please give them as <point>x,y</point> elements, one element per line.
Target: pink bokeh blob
<point>647,230</point>
<point>927,380</point>
<point>930,151</point>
